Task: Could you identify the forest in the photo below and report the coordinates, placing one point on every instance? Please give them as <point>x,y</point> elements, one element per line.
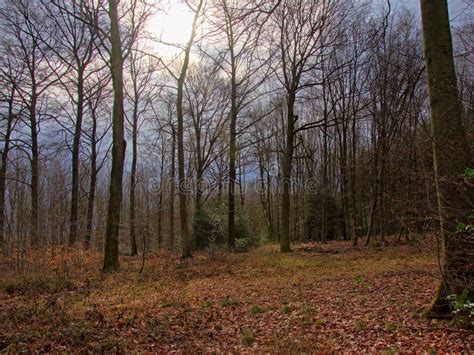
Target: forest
<point>281,176</point>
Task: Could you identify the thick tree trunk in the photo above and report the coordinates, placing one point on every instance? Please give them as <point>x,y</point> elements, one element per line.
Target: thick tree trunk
<point>186,241</point>
<point>73,219</point>
<point>3,168</point>
<point>451,155</point>
<point>111,261</point>
<point>186,244</point>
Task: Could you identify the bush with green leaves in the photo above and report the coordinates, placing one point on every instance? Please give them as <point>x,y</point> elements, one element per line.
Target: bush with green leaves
<point>463,307</point>
<point>216,216</point>
<point>204,231</point>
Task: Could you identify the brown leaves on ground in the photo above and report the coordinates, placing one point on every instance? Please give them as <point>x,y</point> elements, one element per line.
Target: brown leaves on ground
<point>319,298</point>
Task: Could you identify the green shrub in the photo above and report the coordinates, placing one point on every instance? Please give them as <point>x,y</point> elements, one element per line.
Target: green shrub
<point>242,245</point>
<point>214,223</point>
<point>463,308</point>
<point>203,229</point>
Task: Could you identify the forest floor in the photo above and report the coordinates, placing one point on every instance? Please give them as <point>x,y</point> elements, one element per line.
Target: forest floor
<point>319,298</point>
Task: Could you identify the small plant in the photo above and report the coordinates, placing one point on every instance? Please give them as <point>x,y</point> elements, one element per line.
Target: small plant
<point>375,244</point>
<point>389,351</point>
<point>462,306</point>
<point>392,326</point>
<point>286,307</point>
<point>469,172</point>
<point>319,323</point>
<point>257,309</point>
<point>10,289</point>
<point>308,310</point>
<point>360,325</point>
<point>229,302</point>
<point>247,336</point>
<point>307,313</point>
<point>166,303</point>
<point>360,279</point>
<point>207,304</point>
<point>242,245</point>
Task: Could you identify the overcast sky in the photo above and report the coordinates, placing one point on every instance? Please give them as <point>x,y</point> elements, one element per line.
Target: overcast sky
<point>459,10</point>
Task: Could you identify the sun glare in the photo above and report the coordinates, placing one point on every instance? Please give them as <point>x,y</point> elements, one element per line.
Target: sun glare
<point>172,26</point>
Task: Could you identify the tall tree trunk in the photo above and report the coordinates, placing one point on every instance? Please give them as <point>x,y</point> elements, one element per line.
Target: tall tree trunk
<point>133,173</point>
<point>352,184</point>
<point>111,261</point>
<point>183,186</point>
<point>182,181</point>
<point>3,168</point>
<point>92,184</point>
<point>343,166</point>
<point>73,219</point>
<point>375,188</point>
<point>160,204</point>
<point>451,155</point>
<point>34,182</point>
<point>287,164</point>
<point>172,189</point>
<point>232,149</point>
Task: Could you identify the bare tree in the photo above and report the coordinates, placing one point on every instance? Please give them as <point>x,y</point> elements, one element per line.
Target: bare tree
<point>182,180</point>
<point>140,95</point>
<point>304,29</point>
<point>243,62</point>
<point>10,75</point>
<point>23,23</point>
<point>75,46</point>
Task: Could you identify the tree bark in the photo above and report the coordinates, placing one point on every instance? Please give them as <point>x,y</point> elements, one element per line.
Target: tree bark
<point>186,244</point>
<point>287,164</point>
<point>3,169</point>
<point>183,186</point>
<point>73,219</point>
<point>92,184</point>
<point>133,173</point>
<point>111,261</point>
<point>34,161</point>
<point>451,155</point>
<point>172,189</point>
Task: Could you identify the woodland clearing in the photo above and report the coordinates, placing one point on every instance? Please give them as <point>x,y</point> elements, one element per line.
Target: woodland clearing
<point>329,297</point>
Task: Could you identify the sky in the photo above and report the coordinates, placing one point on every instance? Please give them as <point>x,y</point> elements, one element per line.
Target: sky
<point>460,11</point>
